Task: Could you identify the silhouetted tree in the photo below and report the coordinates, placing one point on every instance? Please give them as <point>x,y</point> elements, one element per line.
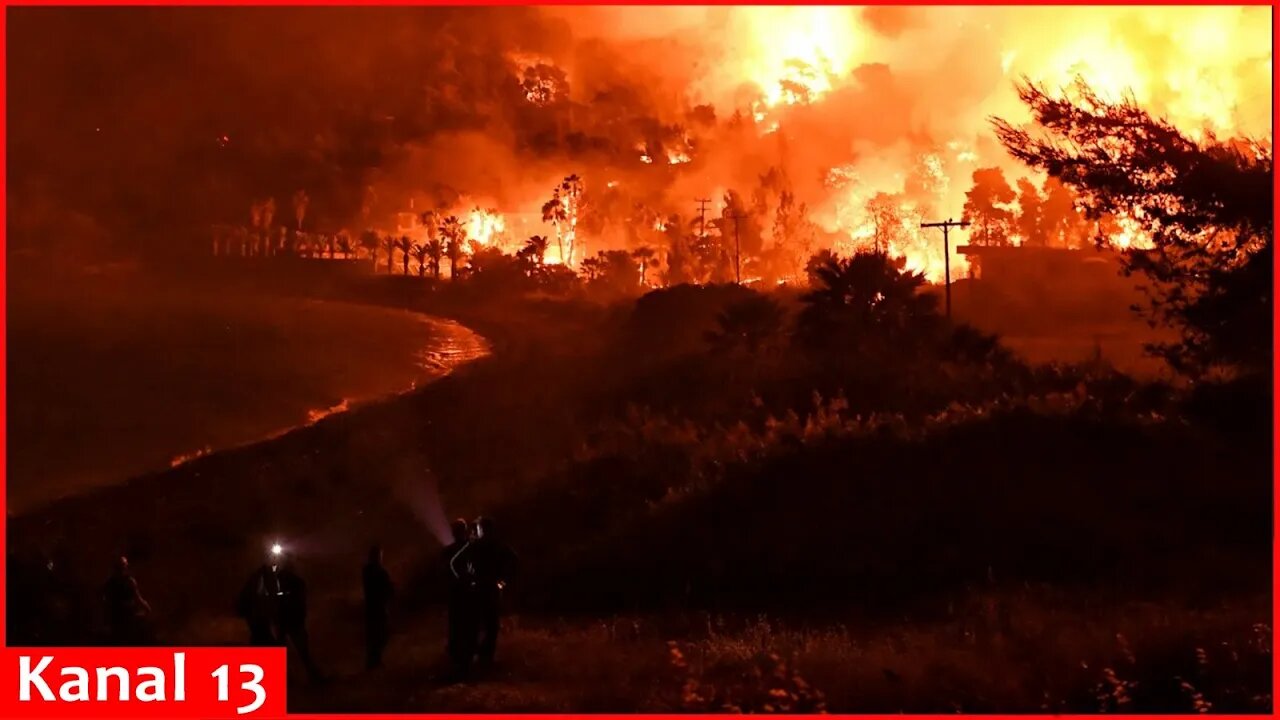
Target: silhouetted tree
<point>496,272</point>
<point>748,324</point>
<point>405,246</point>
<point>557,279</point>
<point>592,268</point>
<point>370,241</point>
<point>562,212</point>
<point>435,253</point>
<point>420,252</point>
<point>817,263</point>
<point>344,245</point>
<point>534,250</point>
<point>647,258</point>
<point>455,239</point>
<point>613,272</point>
<point>1030,221</point>
<point>984,206</point>
<point>1207,206</point>
<point>389,247</point>
<point>862,299</point>
<point>554,212</point>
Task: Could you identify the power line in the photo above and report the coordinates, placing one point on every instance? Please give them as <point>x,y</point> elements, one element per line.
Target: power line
<point>737,246</point>
<point>702,216</point>
<point>946,250</point>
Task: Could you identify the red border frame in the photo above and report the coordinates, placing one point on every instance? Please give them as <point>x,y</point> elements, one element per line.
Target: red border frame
<point>1275,26</point>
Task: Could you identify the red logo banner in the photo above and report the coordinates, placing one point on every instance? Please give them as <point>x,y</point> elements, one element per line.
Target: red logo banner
<point>142,682</point>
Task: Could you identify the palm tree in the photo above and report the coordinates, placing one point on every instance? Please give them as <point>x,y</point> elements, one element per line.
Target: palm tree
<point>562,212</point>
<point>420,253</point>
<point>535,250</point>
<point>553,211</point>
<point>593,268</point>
<point>344,244</point>
<point>863,298</point>
<point>389,245</point>
<point>369,240</point>
<point>455,239</point>
<point>647,257</point>
<point>435,251</point>
<point>405,246</point>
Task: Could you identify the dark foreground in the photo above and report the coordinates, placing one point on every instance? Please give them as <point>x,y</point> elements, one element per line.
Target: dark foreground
<point>1064,547</point>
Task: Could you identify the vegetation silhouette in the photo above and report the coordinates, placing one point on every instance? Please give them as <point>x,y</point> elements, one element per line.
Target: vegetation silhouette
<point>1207,205</point>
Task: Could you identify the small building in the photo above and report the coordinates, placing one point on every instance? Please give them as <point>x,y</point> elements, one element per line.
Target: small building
<point>1011,265</point>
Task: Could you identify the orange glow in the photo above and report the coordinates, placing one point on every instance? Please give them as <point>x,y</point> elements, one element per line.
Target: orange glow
<point>797,54</point>
<point>1203,68</point>
<point>852,106</point>
<point>318,414</point>
<point>485,227</point>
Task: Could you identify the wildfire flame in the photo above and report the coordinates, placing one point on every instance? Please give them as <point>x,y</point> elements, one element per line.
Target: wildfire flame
<point>675,157</point>
<point>797,54</point>
<point>485,227</point>
<point>944,71</point>
<point>1130,234</point>
<point>570,232</point>
<point>1197,66</point>
<point>1202,68</point>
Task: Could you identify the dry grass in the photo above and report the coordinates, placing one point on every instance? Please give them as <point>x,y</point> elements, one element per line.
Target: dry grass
<point>1004,651</point>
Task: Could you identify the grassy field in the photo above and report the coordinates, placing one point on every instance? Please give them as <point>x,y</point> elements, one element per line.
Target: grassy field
<point>1019,650</point>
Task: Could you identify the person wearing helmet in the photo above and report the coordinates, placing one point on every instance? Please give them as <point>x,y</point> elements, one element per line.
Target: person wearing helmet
<point>259,600</point>
<point>495,565</point>
<point>292,618</point>
<point>460,577</point>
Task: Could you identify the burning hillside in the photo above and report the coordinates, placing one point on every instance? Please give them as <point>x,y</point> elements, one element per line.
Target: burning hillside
<point>712,136</point>
<point>830,128</point>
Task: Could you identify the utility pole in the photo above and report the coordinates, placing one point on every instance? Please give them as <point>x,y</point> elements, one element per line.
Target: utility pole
<point>946,251</point>
<point>737,247</point>
<point>702,217</point>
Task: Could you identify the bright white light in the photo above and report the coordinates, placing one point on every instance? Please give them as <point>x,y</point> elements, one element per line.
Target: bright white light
<point>276,549</point>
